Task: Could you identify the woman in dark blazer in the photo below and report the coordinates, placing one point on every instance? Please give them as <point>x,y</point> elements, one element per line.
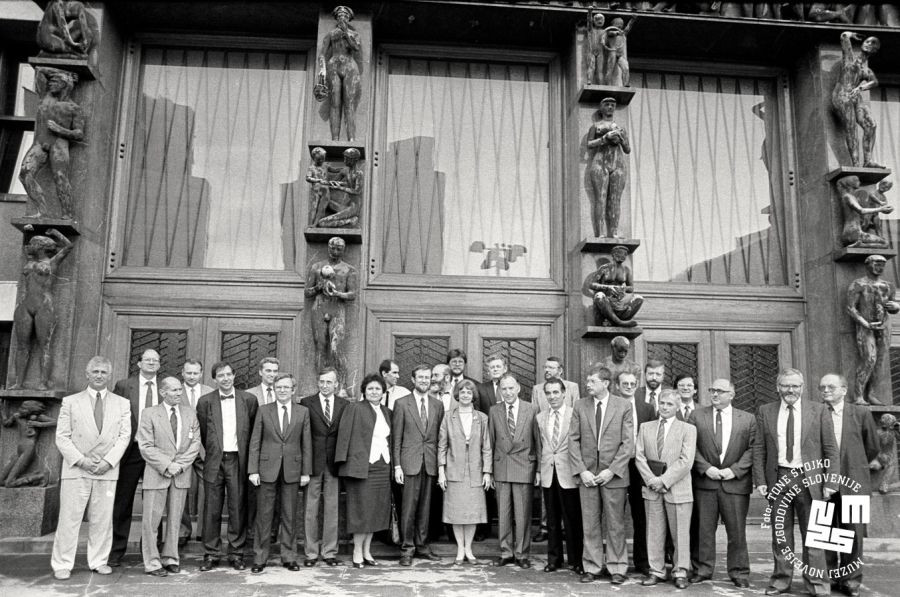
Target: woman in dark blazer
<point>363,456</point>
<point>465,461</point>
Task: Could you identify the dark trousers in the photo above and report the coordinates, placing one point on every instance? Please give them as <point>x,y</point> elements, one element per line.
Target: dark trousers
<point>638,519</point>
<point>490,498</point>
<point>131,469</point>
<point>563,506</point>
<point>193,506</point>
<point>836,560</point>
<point>286,495</point>
<point>415,513</point>
<point>228,478</point>
<point>709,504</point>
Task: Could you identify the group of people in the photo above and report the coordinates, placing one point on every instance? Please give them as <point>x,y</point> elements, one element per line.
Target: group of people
<point>475,450</point>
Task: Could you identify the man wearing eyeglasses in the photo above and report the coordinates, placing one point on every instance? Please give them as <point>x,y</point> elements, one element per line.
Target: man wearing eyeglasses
<point>722,483</point>
<point>794,443</point>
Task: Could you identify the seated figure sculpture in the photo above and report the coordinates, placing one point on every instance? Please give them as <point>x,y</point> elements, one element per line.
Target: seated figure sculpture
<point>615,303</point>
<point>339,207</point>
<point>30,419</point>
<point>862,227</point>
<point>67,30</point>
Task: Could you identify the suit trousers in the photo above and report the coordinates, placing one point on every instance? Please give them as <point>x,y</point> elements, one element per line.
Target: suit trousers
<point>606,504</point>
<point>835,560</point>
<point>662,515</point>
<point>638,519</point>
<point>322,491</point>
<point>415,512</point>
<point>800,506</point>
<point>131,469</point>
<point>155,502</point>
<point>193,507</point>
<point>265,512</point>
<point>514,518</point>
<point>228,478</point>
<point>75,495</point>
<point>563,505</point>
<point>709,504</point>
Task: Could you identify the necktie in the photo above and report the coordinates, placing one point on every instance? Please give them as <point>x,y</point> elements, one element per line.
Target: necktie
<point>173,420</point>
<point>497,396</point>
<point>328,409</point>
<point>599,417</point>
<point>422,412</point>
<point>789,439</point>
<point>653,401</point>
<point>687,412</point>
<point>555,428</point>
<point>510,420</point>
<point>194,397</point>
<point>284,418</point>
<point>98,412</point>
<point>268,395</point>
<point>719,431</point>
<point>831,408</point>
<point>660,437</point>
<point>148,399</point>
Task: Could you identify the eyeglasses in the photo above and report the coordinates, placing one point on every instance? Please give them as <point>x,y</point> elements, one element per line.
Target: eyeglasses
<point>829,388</point>
<point>628,384</point>
<point>718,391</point>
<point>792,387</point>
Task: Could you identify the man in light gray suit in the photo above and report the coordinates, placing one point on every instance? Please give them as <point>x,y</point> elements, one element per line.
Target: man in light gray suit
<point>664,456</point>
<point>191,374</point>
<point>601,442</point>
<point>517,445</point>
<point>553,369</point>
<point>169,440</point>
<point>92,431</point>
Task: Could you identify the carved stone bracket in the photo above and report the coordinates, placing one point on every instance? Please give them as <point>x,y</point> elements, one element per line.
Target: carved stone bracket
<point>335,149</point>
<point>610,332</point>
<point>84,69</point>
<point>859,254</point>
<point>605,244</point>
<point>866,176</point>
<point>41,225</point>
<point>29,394</point>
<point>592,94</point>
<point>352,236</point>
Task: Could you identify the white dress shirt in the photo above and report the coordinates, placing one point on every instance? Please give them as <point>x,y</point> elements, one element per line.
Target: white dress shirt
<point>379,447</point>
<point>193,394</point>
<point>797,462</point>
<point>837,417</point>
<point>393,394</point>
<point>229,422</point>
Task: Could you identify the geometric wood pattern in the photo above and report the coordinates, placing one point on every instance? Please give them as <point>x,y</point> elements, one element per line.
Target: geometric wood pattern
<point>679,358</point>
<point>895,370</point>
<point>522,357</point>
<point>170,344</point>
<point>410,351</point>
<point>243,351</point>
<point>753,370</point>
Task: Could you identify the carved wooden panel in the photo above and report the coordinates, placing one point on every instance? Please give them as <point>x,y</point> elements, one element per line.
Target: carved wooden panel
<point>522,357</point>
<point>754,368</point>
<point>410,351</point>
<point>243,351</point>
<point>679,357</point>
<point>895,370</point>
<point>170,344</point>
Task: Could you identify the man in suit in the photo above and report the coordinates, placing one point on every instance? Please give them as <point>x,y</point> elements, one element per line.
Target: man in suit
<point>489,391</point>
<point>687,391</point>
<point>794,440</point>
<point>321,534</point>
<point>265,391</point>
<point>390,372</point>
<point>280,459</point>
<point>439,390</point>
<point>457,360</point>
<point>92,432</point>
<point>416,423</point>
<point>142,391</point>
<point>654,373</point>
<point>226,419</point>
<point>641,412</point>
<point>664,455</point>
<point>517,447</point>
<point>559,490</point>
<point>723,466</point>
<point>601,441</point>
<point>553,369</point>
<point>191,374</point>
<point>857,440</point>
<point>169,440</point>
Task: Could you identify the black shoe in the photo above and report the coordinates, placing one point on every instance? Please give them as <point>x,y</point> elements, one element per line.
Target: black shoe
<point>333,562</point>
<point>651,581</point>
<point>292,566</point>
<point>524,563</point>
<point>773,591</point>
<point>208,563</point>
<point>358,565</point>
<point>370,562</point>
<point>577,568</point>
<point>160,572</point>
<point>681,583</point>
<point>741,583</point>
<point>589,577</point>
<point>182,541</point>
<point>406,560</point>
<point>238,564</point>
<point>309,563</point>
<point>172,568</point>
<point>504,561</point>
<point>604,573</point>
<point>698,578</point>
<point>617,579</point>
<point>257,568</point>
<point>540,536</point>
<point>551,568</point>
<point>427,555</point>
<point>114,562</point>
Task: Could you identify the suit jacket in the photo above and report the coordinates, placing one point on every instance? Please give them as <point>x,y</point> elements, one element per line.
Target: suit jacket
<point>616,440</point>
<point>679,414</point>
<point>516,456</point>
<point>859,446</point>
<point>816,444</point>
<point>415,444</point>
<point>209,414</point>
<point>641,395</point>
<point>555,456</point>
<point>157,445</point>
<point>487,398</point>
<point>324,436</point>
<point>201,390</point>
<point>738,457</point>
<point>354,439</point>
<point>260,393</point>
<point>456,456</point>
<point>678,453</point>
<point>77,436</point>
<point>538,397</point>
<point>272,451</point>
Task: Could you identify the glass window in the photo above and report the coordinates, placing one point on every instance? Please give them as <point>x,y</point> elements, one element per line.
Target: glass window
<point>18,106</point>
<point>218,141</point>
<point>885,107</point>
<point>466,188</point>
<point>706,191</point>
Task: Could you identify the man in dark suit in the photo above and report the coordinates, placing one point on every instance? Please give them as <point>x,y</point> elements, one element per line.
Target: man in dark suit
<point>857,440</point>
<point>280,459</point>
<point>601,442</point>
<point>390,371</point>
<point>415,425</point>
<point>142,391</point>
<point>226,419</point>
<point>687,391</point>
<point>516,439</point>
<point>457,360</point>
<point>489,391</point>
<point>794,441</point>
<point>641,412</point>
<point>321,534</point>
<point>192,373</point>
<point>654,374</point>
<point>723,482</point>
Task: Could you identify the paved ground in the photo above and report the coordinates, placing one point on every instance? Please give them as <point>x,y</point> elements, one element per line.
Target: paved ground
<point>29,574</point>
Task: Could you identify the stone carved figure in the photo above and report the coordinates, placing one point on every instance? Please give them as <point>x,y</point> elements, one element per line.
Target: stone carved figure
<point>615,302</point>
<point>331,283</point>
<point>338,73</point>
<point>862,227</point>
<point>824,12</point>
<point>595,41</point>
<point>870,301</point>
<point>607,50</point>
<point>30,419</point>
<point>607,170</point>
<point>35,316</point>
<point>856,77</point>
<point>888,434</point>
<point>67,30</point>
<point>341,209</point>
<point>618,361</point>
<point>317,177</point>
<point>58,122</point>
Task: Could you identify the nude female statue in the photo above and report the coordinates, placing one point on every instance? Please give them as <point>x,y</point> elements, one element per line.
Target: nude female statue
<point>338,74</point>
<point>615,302</point>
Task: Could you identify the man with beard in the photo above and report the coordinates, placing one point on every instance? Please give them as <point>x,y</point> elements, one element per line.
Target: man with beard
<point>457,360</point>
<point>654,373</point>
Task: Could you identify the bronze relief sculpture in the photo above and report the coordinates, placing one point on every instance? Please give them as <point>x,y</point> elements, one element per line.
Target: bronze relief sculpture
<point>615,302</point>
<point>67,30</point>
<point>338,74</point>
<point>861,210</point>
<point>337,197</point>
<point>29,417</point>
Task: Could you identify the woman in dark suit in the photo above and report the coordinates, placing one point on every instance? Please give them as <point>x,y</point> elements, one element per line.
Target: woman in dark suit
<point>363,457</point>
<point>465,461</point>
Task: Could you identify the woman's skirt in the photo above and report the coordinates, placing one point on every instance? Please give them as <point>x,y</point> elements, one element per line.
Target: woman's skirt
<point>369,500</point>
<point>464,504</point>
